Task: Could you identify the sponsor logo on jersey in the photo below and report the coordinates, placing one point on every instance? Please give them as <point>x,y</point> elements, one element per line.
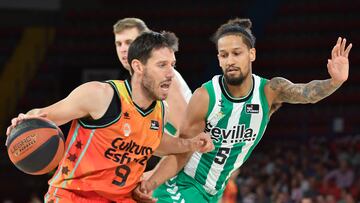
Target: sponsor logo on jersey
<point>126,129</point>
<point>124,151</point>
<point>221,103</point>
<point>238,133</point>
<point>154,125</point>
<point>252,108</point>
<point>126,115</point>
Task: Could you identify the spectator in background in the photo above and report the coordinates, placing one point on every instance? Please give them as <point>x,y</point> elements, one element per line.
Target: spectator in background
<point>346,197</point>
<point>355,188</point>
<point>330,199</point>
<point>296,192</point>
<point>343,175</point>
<point>261,196</point>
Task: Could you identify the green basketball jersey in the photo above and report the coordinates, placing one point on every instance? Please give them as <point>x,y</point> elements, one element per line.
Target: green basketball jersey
<point>236,125</point>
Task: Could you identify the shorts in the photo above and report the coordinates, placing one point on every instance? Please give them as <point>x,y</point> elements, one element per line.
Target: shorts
<point>182,189</point>
<point>59,195</point>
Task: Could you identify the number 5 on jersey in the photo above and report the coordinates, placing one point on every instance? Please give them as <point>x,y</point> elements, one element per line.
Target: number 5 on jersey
<point>222,155</point>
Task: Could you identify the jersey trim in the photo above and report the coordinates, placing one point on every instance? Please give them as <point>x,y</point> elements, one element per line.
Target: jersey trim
<point>209,86</point>
<point>163,116</point>
<point>79,159</point>
<point>144,112</point>
<point>228,95</point>
<point>170,129</point>
<point>74,136</point>
<point>88,125</point>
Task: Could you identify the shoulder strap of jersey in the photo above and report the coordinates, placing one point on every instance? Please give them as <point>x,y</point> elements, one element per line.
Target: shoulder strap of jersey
<point>210,88</point>
<point>112,114</point>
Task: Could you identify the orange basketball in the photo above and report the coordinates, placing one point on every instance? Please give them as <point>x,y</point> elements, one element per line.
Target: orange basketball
<point>35,146</point>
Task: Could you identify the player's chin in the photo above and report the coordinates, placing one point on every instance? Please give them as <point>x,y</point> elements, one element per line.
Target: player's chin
<point>126,65</point>
<point>163,93</point>
<point>233,74</point>
<point>161,96</point>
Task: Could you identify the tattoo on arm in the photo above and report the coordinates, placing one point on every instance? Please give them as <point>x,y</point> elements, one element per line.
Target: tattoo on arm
<point>311,92</point>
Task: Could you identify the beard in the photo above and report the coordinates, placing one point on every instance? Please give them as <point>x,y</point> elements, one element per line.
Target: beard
<point>235,80</point>
<point>148,84</point>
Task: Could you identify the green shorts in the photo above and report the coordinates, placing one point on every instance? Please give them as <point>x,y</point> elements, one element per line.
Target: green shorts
<point>184,189</point>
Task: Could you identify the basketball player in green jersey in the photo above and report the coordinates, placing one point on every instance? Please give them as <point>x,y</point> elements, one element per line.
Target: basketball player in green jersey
<point>234,108</point>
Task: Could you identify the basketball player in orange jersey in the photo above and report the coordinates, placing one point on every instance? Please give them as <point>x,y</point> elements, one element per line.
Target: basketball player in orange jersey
<point>125,31</point>
<point>116,127</point>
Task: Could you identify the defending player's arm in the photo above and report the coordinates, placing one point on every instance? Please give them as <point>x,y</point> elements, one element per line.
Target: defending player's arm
<point>192,125</point>
<point>173,145</point>
<point>176,145</point>
<point>89,99</point>
<point>177,100</point>
<point>282,90</point>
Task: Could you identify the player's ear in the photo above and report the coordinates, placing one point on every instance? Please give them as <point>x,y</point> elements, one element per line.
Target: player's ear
<point>252,54</point>
<point>137,66</point>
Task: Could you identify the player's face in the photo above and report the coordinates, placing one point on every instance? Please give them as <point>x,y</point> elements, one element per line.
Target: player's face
<point>158,73</point>
<point>235,59</point>
<point>123,40</point>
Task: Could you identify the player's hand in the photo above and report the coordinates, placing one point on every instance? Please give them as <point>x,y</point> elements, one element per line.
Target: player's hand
<point>202,143</point>
<point>15,121</point>
<point>146,175</point>
<point>338,65</point>
<point>143,193</point>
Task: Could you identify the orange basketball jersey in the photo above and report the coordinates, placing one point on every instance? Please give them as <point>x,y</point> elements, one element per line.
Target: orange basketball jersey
<point>110,159</point>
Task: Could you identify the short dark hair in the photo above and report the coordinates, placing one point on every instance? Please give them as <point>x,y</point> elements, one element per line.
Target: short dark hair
<point>144,44</point>
<point>237,26</point>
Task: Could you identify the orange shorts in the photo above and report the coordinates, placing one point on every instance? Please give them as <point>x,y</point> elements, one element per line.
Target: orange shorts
<point>58,195</point>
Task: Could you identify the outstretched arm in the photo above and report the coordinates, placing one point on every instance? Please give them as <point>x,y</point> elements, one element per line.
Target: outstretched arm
<point>282,90</point>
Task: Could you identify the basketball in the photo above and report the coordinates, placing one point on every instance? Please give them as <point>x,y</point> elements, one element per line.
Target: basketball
<point>35,146</point>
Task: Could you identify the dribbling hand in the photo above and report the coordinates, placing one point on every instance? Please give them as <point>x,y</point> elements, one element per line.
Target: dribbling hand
<point>15,121</point>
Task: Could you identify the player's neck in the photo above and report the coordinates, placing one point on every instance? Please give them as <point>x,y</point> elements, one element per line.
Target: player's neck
<point>139,95</point>
<point>241,90</point>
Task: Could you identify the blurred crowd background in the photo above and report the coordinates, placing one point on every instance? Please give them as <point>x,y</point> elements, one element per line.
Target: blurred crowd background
<point>308,153</point>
